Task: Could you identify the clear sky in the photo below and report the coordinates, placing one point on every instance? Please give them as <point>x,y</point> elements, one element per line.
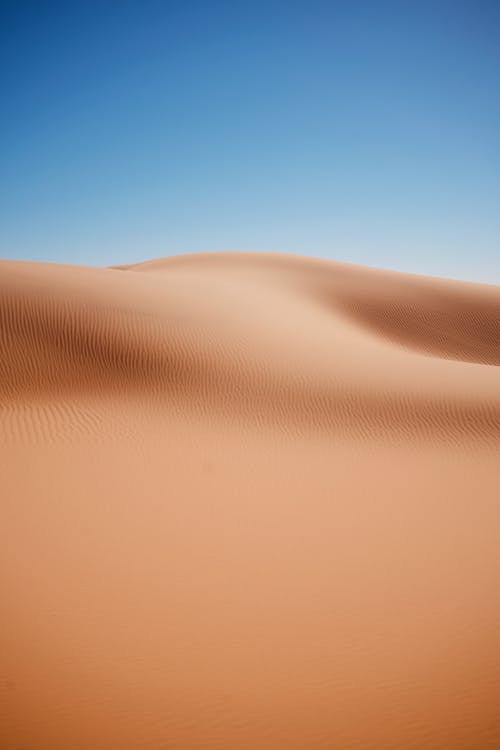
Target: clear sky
<point>363,131</point>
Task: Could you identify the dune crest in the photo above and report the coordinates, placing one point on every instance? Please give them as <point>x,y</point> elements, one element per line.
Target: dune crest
<point>249,501</point>
<point>280,339</point>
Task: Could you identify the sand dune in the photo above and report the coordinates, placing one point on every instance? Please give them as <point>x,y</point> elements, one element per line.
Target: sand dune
<point>248,501</point>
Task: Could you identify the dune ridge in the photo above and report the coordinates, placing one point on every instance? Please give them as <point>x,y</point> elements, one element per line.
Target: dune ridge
<point>248,501</point>
<point>134,333</point>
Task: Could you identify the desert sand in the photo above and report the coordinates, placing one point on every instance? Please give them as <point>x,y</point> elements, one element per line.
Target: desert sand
<point>248,502</point>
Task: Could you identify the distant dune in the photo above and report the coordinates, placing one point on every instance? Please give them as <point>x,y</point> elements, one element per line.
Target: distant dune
<point>249,501</point>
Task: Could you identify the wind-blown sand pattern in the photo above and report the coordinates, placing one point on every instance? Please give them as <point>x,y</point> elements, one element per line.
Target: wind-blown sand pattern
<point>249,501</point>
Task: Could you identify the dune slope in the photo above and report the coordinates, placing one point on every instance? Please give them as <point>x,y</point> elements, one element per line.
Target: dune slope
<point>249,501</point>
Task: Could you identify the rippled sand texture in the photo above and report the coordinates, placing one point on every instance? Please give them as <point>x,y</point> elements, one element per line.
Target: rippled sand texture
<point>248,502</point>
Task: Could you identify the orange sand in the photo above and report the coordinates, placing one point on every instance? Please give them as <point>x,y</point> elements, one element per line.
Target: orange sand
<point>249,502</point>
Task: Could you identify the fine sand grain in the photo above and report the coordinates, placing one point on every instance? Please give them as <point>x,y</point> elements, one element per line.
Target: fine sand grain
<point>248,502</point>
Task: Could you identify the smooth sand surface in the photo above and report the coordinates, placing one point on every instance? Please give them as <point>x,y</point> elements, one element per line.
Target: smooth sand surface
<point>248,502</point>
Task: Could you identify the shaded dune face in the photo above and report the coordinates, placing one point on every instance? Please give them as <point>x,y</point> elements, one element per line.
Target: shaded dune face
<point>450,320</point>
<point>248,501</point>
<point>231,334</point>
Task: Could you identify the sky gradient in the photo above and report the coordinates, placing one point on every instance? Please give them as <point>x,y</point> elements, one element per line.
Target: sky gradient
<point>367,132</point>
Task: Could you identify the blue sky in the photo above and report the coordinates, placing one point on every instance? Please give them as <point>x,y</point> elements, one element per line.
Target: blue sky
<point>363,131</point>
